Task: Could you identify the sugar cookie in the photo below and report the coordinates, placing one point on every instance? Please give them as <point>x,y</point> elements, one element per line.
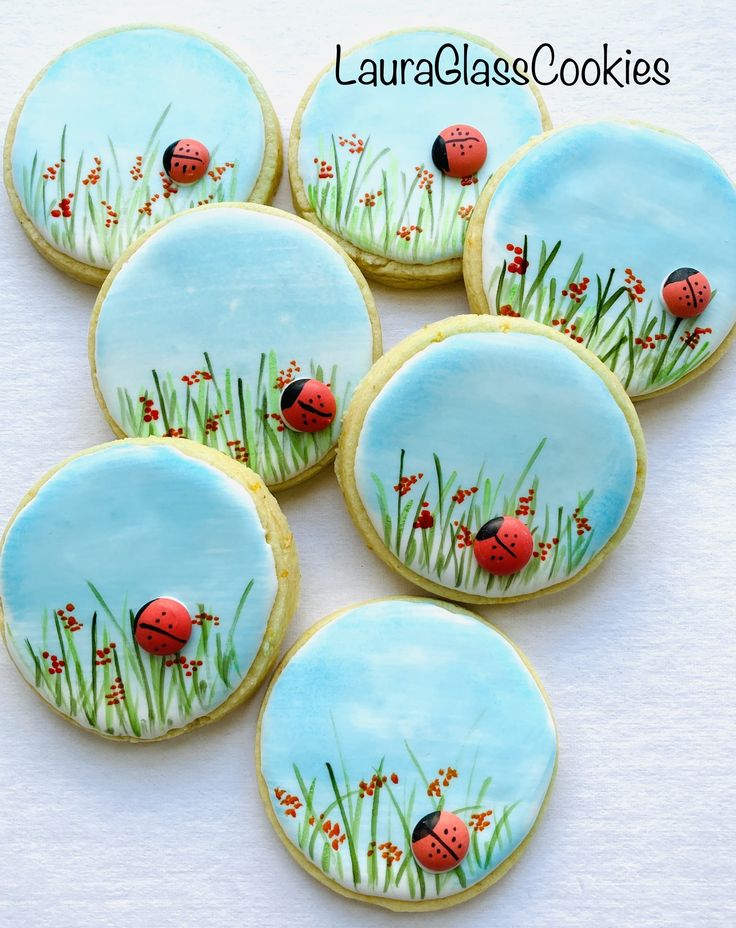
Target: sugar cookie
<point>393,172</point>
<point>128,127</point>
<point>424,761</point>
<point>238,326</point>
<point>146,586</point>
<point>490,459</point>
<point>619,236</point>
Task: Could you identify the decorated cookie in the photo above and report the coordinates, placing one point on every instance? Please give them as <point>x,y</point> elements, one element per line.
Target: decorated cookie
<point>392,144</point>
<point>490,459</point>
<point>127,128</point>
<point>241,327</point>
<point>619,236</point>
<point>146,586</point>
<point>423,764</point>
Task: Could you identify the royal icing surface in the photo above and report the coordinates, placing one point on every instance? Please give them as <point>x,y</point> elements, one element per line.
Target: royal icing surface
<point>365,152</point>
<point>89,144</point>
<point>213,316</point>
<point>602,214</point>
<point>110,531</point>
<point>488,424</point>
<point>418,708</point>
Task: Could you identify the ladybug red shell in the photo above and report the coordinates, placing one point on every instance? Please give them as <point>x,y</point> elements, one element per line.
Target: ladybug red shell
<point>686,292</point>
<point>308,405</point>
<point>459,150</point>
<point>163,626</point>
<point>186,161</point>
<point>503,546</point>
<point>440,841</point>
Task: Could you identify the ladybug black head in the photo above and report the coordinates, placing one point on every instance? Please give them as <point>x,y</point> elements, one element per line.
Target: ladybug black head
<point>140,613</point>
<point>168,155</point>
<point>425,826</point>
<point>439,154</point>
<point>490,529</point>
<point>682,273</point>
<point>292,392</point>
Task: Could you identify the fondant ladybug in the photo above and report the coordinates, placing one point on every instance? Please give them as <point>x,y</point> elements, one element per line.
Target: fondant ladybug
<point>186,161</point>
<point>686,292</point>
<point>459,151</point>
<point>440,841</point>
<point>163,626</point>
<point>503,546</point>
<point>308,405</point>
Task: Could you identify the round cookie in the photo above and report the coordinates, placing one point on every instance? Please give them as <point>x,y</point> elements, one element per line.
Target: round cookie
<point>242,327</point>
<point>146,586</point>
<point>393,172</point>
<point>106,141</point>
<point>490,460</point>
<point>424,762</point>
<point>618,235</point>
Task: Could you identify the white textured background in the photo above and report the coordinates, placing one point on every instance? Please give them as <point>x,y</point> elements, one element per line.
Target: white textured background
<point>638,659</point>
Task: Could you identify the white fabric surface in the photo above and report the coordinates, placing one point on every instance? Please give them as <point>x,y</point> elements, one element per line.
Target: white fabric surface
<point>638,659</point>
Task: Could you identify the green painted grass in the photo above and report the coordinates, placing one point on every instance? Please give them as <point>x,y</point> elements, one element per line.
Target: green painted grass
<point>347,836</point>
<point>443,552</point>
<point>606,320</point>
<point>86,234</point>
<point>103,653</point>
<point>225,412</point>
<point>440,211</point>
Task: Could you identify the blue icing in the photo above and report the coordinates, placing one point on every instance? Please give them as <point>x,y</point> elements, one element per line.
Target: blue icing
<point>237,284</point>
<point>137,522</point>
<point>484,403</point>
<point>404,673</point>
<point>625,196</point>
<point>404,120</point>
<point>112,91</point>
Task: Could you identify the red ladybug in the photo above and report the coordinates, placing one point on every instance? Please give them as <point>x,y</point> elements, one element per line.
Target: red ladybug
<point>686,292</point>
<point>308,405</point>
<point>440,841</point>
<point>503,546</point>
<point>186,161</point>
<point>162,626</point>
<point>459,151</point>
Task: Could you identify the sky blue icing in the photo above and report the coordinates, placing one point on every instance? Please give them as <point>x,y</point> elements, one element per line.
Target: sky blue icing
<point>235,283</point>
<point>406,119</point>
<point>625,196</point>
<point>397,673</point>
<point>112,91</point>
<point>487,400</point>
<point>138,523</point>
